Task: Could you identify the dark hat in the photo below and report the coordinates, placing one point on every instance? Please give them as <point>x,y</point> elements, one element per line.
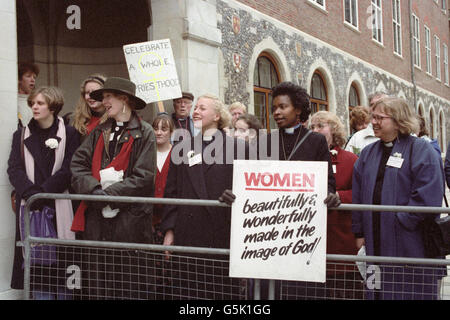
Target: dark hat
<point>119,86</point>
<point>188,95</point>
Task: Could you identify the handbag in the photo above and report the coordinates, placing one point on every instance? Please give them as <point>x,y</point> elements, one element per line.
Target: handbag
<point>41,225</point>
<point>22,154</point>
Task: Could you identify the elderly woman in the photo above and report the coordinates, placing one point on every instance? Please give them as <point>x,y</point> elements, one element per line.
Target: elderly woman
<point>343,281</point>
<point>202,169</point>
<point>39,162</point>
<point>397,170</point>
<point>118,158</point>
<point>89,112</point>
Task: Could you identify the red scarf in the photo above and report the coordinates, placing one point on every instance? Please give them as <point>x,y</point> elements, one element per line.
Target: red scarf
<point>119,163</point>
<point>93,122</point>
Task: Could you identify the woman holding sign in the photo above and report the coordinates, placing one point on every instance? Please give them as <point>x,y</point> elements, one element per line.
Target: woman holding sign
<point>398,170</point>
<point>202,168</point>
<point>118,158</point>
<point>343,280</point>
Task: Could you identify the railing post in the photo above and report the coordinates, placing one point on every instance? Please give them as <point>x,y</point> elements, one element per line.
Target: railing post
<point>27,250</point>
<point>271,289</point>
<point>257,289</point>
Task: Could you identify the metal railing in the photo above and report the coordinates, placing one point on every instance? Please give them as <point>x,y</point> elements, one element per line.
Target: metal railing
<point>255,287</point>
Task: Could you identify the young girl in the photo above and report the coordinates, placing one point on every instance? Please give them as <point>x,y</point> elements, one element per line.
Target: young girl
<point>163,126</point>
<point>42,166</point>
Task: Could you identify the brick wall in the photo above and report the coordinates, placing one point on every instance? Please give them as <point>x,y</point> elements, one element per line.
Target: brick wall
<point>328,25</point>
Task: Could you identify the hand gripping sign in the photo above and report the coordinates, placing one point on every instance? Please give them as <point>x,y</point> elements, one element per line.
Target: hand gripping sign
<point>279,220</point>
<point>151,67</point>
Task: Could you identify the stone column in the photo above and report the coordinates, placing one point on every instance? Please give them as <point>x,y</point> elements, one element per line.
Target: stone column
<point>8,124</point>
<point>191,26</point>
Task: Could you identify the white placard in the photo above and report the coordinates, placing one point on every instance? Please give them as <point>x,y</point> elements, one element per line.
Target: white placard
<point>279,220</point>
<point>151,67</point>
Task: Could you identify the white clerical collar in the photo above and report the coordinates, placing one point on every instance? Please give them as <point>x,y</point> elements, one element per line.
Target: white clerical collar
<point>207,138</point>
<point>291,130</point>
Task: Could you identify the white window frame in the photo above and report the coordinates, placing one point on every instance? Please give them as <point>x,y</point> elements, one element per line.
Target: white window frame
<point>428,50</point>
<point>416,40</point>
<point>321,6</point>
<point>437,57</point>
<point>351,23</point>
<point>446,80</point>
<point>397,27</point>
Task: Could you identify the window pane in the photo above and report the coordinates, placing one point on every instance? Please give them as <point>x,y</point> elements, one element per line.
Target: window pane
<point>260,107</point>
<point>274,76</point>
<point>318,88</point>
<point>256,75</point>
<point>353,97</point>
<point>264,72</point>
<point>354,13</point>
<point>272,123</point>
<point>347,11</point>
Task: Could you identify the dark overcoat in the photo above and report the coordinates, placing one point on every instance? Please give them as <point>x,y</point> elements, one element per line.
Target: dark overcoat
<point>43,182</point>
<point>134,221</point>
<point>418,182</point>
<point>201,226</point>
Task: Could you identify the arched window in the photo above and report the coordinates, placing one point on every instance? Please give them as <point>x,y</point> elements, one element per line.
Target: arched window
<point>265,77</point>
<point>420,111</point>
<point>319,98</point>
<point>353,98</point>
<point>431,123</point>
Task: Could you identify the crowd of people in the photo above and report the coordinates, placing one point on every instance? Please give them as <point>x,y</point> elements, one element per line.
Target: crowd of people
<point>105,148</point>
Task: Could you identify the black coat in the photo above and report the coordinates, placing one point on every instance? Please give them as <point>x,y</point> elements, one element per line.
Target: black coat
<point>201,226</point>
<point>43,180</point>
<point>133,222</point>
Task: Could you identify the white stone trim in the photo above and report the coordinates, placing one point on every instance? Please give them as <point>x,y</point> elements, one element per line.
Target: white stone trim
<point>321,65</point>
<point>269,46</point>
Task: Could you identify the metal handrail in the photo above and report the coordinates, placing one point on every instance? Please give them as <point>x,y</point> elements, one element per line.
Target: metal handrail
<point>198,202</point>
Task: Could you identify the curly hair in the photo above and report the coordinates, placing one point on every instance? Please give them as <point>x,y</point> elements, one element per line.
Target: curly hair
<point>360,115</point>
<point>336,126</point>
<point>298,95</point>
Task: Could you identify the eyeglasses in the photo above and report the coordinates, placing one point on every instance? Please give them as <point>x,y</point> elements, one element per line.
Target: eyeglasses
<point>378,118</point>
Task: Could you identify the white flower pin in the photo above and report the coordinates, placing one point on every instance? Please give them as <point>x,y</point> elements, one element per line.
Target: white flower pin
<point>333,152</point>
<point>398,155</point>
<point>52,143</point>
<point>190,154</point>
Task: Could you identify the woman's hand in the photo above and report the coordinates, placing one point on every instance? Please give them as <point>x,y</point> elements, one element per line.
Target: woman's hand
<point>169,240</point>
<point>332,200</point>
<point>228,197</point>
<point>360,242</point>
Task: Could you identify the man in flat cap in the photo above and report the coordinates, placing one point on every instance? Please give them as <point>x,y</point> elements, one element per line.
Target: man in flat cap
<point>181,117</point>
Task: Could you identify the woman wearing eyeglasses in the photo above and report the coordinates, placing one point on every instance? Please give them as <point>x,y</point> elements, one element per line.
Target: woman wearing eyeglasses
<point>398,170</point>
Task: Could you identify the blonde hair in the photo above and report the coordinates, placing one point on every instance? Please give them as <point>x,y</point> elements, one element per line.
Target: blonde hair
<point>336,126</point>
<point>400,112</point>
<point>83,112</point>
<point>225,116</point>
<point>237,105</point>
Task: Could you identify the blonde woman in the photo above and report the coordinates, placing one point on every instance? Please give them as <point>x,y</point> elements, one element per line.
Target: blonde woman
<point>89,112</point>
<point>204,173</point>
<point>397,170</point>
<point>340,239</point>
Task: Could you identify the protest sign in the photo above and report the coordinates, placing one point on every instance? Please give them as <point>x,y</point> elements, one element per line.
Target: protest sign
<point>151,67</point>
<point>279,220</point>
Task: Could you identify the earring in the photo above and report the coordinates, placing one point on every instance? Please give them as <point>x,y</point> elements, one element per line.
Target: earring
<point>123,110</point>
